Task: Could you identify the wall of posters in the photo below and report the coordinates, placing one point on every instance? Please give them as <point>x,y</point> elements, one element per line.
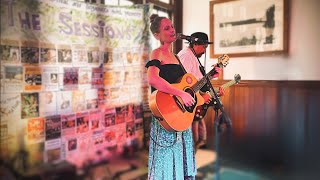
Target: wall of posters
<point>71,78</point>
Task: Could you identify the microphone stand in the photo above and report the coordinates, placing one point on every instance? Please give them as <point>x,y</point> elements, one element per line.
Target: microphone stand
<point>217,105</point>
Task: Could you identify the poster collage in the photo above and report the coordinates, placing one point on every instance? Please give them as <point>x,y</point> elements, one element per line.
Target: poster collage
<point>61,100</point>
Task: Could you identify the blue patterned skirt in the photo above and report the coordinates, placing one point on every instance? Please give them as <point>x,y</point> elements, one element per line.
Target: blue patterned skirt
<point>171,154</point>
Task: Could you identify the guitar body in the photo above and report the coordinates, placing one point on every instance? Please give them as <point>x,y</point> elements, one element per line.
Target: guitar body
<point>172,114</point>
<point>202,110</point>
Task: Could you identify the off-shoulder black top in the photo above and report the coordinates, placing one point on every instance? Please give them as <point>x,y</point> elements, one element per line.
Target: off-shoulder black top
<point>169,72</point>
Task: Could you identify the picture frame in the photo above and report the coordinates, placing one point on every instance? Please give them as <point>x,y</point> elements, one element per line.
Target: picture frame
<point>248,28</point>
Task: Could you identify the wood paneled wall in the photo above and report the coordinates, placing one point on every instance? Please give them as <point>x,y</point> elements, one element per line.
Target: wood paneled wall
<point>274,123</point>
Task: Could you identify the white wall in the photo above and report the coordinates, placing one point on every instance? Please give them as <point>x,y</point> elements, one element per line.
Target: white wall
<point>302,61</point>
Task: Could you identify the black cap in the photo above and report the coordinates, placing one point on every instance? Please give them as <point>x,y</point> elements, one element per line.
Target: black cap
<point>202,38</point>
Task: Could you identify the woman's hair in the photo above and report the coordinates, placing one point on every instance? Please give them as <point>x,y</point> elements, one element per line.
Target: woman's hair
<point>155,21</point>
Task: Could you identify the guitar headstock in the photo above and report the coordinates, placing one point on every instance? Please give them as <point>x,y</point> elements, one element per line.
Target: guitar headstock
<point>237,78</point>
<point>223,60</point>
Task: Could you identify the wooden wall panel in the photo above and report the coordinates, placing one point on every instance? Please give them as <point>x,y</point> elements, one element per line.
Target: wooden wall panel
<point>273,122</point>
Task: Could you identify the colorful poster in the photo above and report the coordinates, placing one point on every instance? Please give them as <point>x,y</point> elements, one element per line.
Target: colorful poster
<point>29,105</point>
<point>70,78</point>
<point>64,102</point>
<point>10,107</point>
<point>121,133</point>
<point>132,76</point>
<point>69,148</point>
<point>35,130</point>
<point>64,54</point>
<point>52,151</point>
<point>30,52</point>
<point>115,57</point>
<point>112,96</point>
<point>53,127</point>
<point>82,119</point>
<point>110,137</point>
<point>48,53</point>
<point>97,77</point>
<point>129,115</point>
<point>138,111</point>
<point>101,98</point>
<point>79,54</point>
<point>121,113</point>
<point>107,57</point>
<point>68,124</point>
<point>72,144</point>
<point>32,78</point>
<point>13,76</point>
<point>48,103</point>
<point>85,76</point>
<point>9,51</point>
<point>113,77</point>
<point>50,78</point>
<point>109,117</point>
<point>78,101</point>
<point>130,129</point>
<point>10,114</point>
<point>94,55</point>
<point>97,138</point>
<point>95,119</point>
<point>91,98</point>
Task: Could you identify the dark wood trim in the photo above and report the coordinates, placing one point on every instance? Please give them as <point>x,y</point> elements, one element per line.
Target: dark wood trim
<point>177,16</point>
<point>169,7</point>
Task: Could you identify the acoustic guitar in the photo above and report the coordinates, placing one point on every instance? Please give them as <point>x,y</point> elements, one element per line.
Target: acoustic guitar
<point>170,110</point>
<point>202,110</point>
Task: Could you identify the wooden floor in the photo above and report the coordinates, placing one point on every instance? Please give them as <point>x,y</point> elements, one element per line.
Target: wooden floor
<point>205,157</point>
<point>136,168</point>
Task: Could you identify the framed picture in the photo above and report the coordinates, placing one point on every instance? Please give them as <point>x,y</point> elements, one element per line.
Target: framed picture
<point>248,28</point>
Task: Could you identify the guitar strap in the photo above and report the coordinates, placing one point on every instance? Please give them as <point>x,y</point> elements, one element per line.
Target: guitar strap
<point>184,70</point>
<point>200,66</point>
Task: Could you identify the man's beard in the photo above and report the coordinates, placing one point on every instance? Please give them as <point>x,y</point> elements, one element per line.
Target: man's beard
<point>199,55</point>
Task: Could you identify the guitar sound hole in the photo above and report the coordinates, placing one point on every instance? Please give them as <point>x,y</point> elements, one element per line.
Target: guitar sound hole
<point>191,108</point>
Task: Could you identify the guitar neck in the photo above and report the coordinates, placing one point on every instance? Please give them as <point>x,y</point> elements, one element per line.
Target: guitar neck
<point>196,87</point>
<point>226,85</point>
<point>222,62</point>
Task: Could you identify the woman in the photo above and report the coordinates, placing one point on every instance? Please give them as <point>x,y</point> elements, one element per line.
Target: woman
<point>171,154</point>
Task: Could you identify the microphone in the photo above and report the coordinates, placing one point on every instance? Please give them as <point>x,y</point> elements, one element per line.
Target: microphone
<point>188,38</point>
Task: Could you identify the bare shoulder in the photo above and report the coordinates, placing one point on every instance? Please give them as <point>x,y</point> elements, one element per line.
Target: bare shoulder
<point>155,54</point>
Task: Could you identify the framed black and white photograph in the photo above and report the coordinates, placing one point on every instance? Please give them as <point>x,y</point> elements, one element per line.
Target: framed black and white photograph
<point>248,28</point>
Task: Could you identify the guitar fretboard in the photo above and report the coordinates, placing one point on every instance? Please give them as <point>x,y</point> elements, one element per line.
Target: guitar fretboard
<point>197,86</point>
<point>222,60</point>
<point>230,83</point>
